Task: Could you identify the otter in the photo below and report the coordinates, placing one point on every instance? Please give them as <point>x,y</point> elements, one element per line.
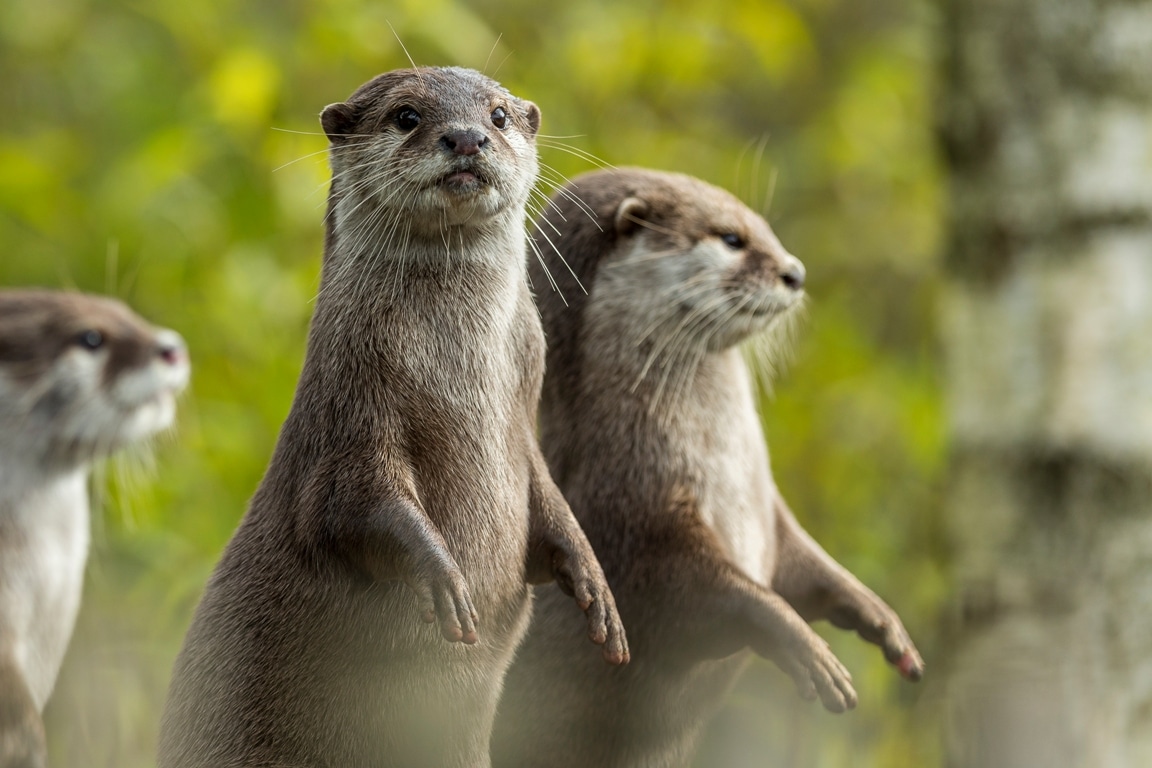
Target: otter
<point>649,426</point>
<point>370,601</point>
<point>80,378</point>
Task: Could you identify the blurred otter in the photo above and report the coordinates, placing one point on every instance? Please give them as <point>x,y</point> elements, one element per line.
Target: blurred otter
<point>371,599</point>
<point>80,377</point>
<point>650,429</point>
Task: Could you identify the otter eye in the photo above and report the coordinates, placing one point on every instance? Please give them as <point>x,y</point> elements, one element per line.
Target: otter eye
<point>90,340</point>
<point>733,241</point>
<point>407,119</point>
<point>499,118</point>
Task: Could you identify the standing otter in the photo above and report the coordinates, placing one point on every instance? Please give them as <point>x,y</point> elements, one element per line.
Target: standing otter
<point>650,429</point>
<point>407,482</point>
<point>80,377</point>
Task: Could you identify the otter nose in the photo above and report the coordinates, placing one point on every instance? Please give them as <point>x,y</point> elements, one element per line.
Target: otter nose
<point>792,273</point>
<point>170,347</point>
<point>466,142</point>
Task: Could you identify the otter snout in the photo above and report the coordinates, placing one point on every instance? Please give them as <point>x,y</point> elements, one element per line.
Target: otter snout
<point>464,142</point>
<point>170,347</point>
<point>792,272</point>
<point>172,353</point>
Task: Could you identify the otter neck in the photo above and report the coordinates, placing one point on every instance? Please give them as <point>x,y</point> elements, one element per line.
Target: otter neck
<point>710,419</point>
<point>673,376</point>
<point>384,252</point>
<point>32,462</point>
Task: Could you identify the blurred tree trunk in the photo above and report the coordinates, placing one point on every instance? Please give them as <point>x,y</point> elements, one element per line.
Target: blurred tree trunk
<point>1046,123</point>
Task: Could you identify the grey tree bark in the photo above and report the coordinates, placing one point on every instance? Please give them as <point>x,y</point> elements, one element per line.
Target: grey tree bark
<point>1046,124</point>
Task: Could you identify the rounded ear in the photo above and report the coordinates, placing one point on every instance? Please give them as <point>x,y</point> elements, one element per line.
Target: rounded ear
<point>532,113</point>
<point>338,120</point>
<point>629,214</point>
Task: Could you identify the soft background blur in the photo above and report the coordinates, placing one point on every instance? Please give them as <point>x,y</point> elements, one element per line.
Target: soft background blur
<point>168,152</point>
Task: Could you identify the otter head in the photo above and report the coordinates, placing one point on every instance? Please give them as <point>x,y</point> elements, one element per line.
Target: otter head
<point>673,267</point>
<point>81,376</point>
<point>435,148</point>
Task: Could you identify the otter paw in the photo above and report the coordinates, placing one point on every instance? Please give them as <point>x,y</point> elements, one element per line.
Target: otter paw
<point>582,578</point>
<point>878,624</point>
<point>899,650</point>
<point>805,656</point>
<point>910,665</point>
<point>818,673</point>
<point>445,599</point>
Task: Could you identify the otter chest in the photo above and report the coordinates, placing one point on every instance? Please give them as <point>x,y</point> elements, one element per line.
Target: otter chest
<point>464,430</point>
<point>729,457</point>
<point>43,548</point>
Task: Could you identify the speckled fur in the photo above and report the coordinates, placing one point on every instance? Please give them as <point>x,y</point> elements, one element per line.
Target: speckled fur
<point>650,429</point>
<point>407,481</point>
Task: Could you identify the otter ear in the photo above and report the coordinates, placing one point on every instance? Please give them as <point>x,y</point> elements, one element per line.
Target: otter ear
<point>338,120</point>
<point>631,211</point>
<point>532,113</point>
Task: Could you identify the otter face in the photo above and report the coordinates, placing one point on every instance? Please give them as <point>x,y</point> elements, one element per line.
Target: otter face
<point>434,147</point>
<point>693,267</point>
<point>81,376</point>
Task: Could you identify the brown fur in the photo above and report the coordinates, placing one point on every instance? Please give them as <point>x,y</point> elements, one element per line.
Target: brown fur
<point>407,482</point>
<point>667,472</point>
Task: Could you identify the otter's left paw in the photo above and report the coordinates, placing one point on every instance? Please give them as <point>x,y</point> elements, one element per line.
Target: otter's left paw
<point>578,573</point>
<point>818,673</point>
<point>877,623</point>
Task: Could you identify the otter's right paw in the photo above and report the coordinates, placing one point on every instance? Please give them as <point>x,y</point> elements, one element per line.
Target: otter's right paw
<point>578,573</point>
<point>806,657</point>
<point>444,598</point>
<point>817,672</point>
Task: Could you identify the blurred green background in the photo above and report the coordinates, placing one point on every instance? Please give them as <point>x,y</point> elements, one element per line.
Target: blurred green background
<point>168,152</point>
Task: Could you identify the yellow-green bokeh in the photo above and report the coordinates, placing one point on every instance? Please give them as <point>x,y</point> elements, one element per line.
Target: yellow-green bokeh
<point>168,152</point>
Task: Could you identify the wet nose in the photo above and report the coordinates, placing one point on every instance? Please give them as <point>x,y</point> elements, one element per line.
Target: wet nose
<point>792,273</point>
<point>466,142</point>
<point>170,347</point>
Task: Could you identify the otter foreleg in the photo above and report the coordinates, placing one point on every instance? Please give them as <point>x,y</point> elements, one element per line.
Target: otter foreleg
<point>558,550</point>
<point>395,539</point>
<point>729,611</point>
<point>820,588</point>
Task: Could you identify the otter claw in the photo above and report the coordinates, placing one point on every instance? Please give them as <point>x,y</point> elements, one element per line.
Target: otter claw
<point>910,666</point>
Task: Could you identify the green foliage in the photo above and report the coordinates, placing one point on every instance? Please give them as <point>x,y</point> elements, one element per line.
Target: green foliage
<point>169,153</point>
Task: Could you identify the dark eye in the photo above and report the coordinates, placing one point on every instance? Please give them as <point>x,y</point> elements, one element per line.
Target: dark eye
<point>407,119</point>
<point>733,241</point>
<point>90,339</point>
<point>500,118</point>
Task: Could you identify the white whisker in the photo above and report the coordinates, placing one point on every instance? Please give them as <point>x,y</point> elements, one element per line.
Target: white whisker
<point>404,48</point>
<point>756,168</point>
<point>488,60</point>
<point>297,160</point>
<point>564,261</point>
<point>771,192</point>
<point>576,152</point>
<point>566,189</point>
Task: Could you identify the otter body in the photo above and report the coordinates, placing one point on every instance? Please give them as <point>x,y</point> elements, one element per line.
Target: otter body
<point>407,483</point>
<point>80,377</point>
<point>650,429</point>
